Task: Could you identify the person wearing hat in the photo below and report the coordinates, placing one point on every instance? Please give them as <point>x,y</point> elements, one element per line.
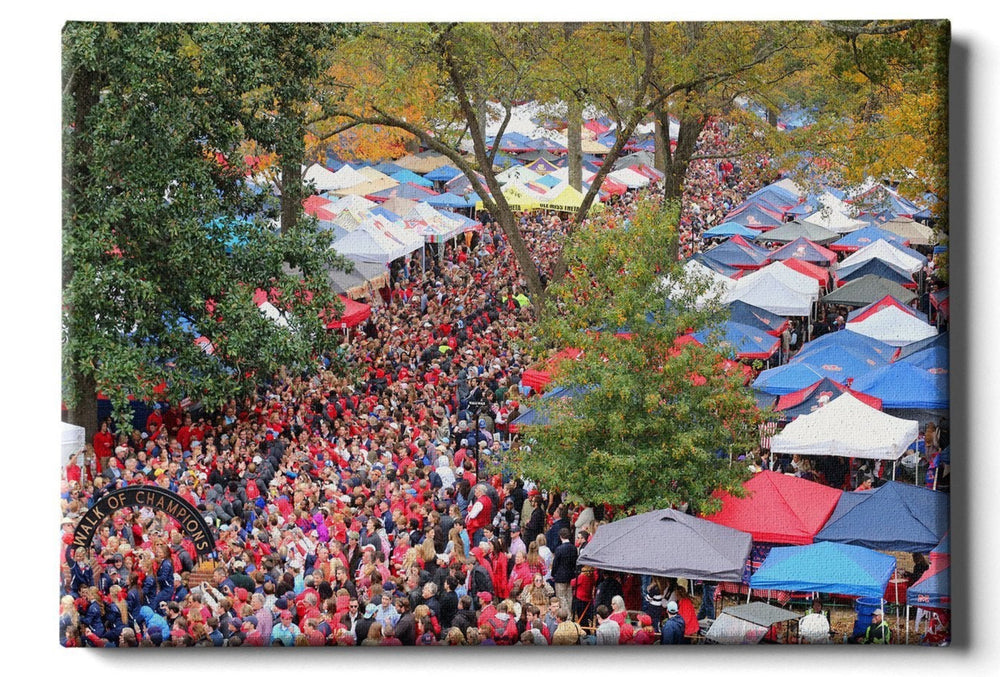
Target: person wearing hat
<point>672,630</point>
<point>285,632</point>
<point>878,632</point>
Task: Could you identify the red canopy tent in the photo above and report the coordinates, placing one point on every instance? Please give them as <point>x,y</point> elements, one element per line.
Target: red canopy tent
<point>778,508</point>
<point>820,274</point>
<point>354,314</point>
<point>537,379</point>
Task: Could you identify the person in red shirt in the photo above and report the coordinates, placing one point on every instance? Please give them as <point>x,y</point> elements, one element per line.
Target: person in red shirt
<point>479,515</point>
<point>104,443</point>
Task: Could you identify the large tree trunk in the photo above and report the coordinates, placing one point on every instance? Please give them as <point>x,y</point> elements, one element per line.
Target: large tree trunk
<point>661,141</point>
<point>574,142</point>
<point>84,413</point>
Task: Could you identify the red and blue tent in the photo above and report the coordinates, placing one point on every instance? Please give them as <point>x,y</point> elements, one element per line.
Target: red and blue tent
<point>765,320</point>
<point>863,237</point>
<point>811,398</point>
<point>878,268</point>
<point>802,249</point>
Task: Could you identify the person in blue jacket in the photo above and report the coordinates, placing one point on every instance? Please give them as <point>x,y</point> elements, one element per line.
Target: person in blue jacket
<point>154,624</point>
<point>672,631</point>
<point>81,575</point>
<point>164,576</point>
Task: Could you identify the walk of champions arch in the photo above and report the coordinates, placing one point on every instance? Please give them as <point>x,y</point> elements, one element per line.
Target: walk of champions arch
<point>163,500</point>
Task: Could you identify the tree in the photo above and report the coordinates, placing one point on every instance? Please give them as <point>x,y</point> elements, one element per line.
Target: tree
<point>650,424</point>
<point>466,66</point>
<point>163,235</point>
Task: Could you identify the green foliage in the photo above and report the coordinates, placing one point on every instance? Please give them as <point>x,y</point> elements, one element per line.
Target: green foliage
<point>653,425</point>
<point>161,227</point>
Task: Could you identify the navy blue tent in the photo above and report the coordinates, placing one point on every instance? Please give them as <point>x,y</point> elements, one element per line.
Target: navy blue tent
<point>776,195</point>
<point>825,567</point>
<point>933,358</point>
<point>744,313</point>
<point>452,200</point>
<point>933,590</point>
<point>717,266</point>
<point>864,237</point>
<point>538,416</point>
<point>810,205</point>
<point>904,385</point>
<point>742,341</point>
<point>895,517</point>
<point>733,253</point>
<point>755,216</point>
<point>877,267</point>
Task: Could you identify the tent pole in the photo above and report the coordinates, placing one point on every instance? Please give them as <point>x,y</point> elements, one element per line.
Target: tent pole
<point>907,623</point>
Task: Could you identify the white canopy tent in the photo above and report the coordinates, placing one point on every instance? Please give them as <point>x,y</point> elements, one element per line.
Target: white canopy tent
<point>835,215</point>
<point>370,245</point>
<point>893,326</point>
<point>344,177</point>
<point>629,178</point>
<point>880,249</point>
<point>716,284</point>
<point>74,438</point>
<point>791,278</point>
<point>848,427</point>
<point>770,293</point>
<point>321,177</point>
<point>517,174</point>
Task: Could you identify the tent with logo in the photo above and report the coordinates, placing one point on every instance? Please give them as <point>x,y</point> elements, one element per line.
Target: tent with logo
<point>864,347</point>
<point>802,249</point>
<point>669,543</point>
<point>847,427</point>
<point>761,319</point>
<point>738,253</point>
<point>897,517</point>
<point>905,385</point>
<point>864,237</point>
<point>743,341</point>
<point>833,362</point>
<point>825,567</point>
<point>756,217</point>
<point>812,397</point>
<point>778,508</point>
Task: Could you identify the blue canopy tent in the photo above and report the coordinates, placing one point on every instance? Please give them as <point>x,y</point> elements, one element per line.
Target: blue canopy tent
<point>548,180</point>
<point>833,362</point>
<point>511,142</point>
<point>452,200</point>
<point>547,144</point>
<point>933,590</point>
<point>895,517</point>
<point>712,264</point>
<point>742,341</point>
<point>443,173</point>
<point>904,385</point>
<point>825,567</point>
<point>728,229</point>
<point>765,320</point>
<point>934,358</point>
<point>908,251</point>
<point>859,344</point>
<point>755,216</point>
<point>939,341</point>
<point>538,415</point>
<point>406,176</point>
<point>788,378</point>
<point>864,237</point>
<point>733,253</point>
<point>877,267</point>
<point>407,191</point>
<point>382,211</point>
<point>812,397</point>
<point>389,168</point>
<point>805,208</point>
<point>775,194</point>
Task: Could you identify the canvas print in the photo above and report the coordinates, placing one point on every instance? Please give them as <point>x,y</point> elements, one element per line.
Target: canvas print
<point>391,334</point>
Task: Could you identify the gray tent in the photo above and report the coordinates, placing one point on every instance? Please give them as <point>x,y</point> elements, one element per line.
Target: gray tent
<point>868,289</point>
<point>748,623</point>
<point>793,230</point>
<point>669,543</point>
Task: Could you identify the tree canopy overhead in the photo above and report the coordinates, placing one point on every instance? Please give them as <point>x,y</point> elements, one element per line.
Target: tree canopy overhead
<point>164,237</point>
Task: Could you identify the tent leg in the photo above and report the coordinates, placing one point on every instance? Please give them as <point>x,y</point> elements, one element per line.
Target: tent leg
<point>907,623</point>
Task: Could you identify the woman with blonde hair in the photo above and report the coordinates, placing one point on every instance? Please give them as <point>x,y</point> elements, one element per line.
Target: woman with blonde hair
<point>69,618</point>
<point>455,637</point>
<point>536,564</point>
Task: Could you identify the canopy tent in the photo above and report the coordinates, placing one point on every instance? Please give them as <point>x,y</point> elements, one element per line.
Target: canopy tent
<point>743,341</point>
<point>321,178</point>
<point>353,203</point>
<point>793,230</point>
<point>866,290</point>
<point>755,216</point>
<point>814,396</point>
<point>834,220</point>
<point>74,439</point>
<point>517,174</point>
<point>518,197</point>
<point>407,191</point>
<point>562,197</point>
<point>443,173</point>
<point>399,205</point>
<point>802,249</point>
<point>669,543</point>
<point>846,427</point>
<point>933,590</point>
<point>881,198</point>
<point>897,517</point>
<point>891,324</point>
<point>878,268</point>
<point>345,177</point>
<point>904,385</point>
<point>452,200</point>
<point>738,253</point>
<point>423,163</point>
<point>825,567</point>
<point>821,274</point>
<point>388,168</point>
<point>539,415</point>
<point>934,360</point>
<point>629,178</point>
<point>354,314</point>
<point>511,142</point>
<point>406,176</point>
<point>368,244</point>
<point>548,180</point>
<point>365,277</point>
<point>831,362</point>
<point>880,249</point>
<point>800,282</point>
<point>537,379</point>
<point>772,295</point>
<point>747,623</point>
<point>461,185</point>
<point>728,229</point>
<point>744,313</point>
<point>778,508</point>
<point>542,166</point>
<point>777,194</point>
<point>715,284</point>
<point>939,341</point>
<point>916,233</point>
<point>864,237</point>
<point>721,268</point>
<point>863,346</point>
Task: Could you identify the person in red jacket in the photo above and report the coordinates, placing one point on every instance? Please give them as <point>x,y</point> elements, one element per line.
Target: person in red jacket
<point>685,607</point>
<point>480,514</point>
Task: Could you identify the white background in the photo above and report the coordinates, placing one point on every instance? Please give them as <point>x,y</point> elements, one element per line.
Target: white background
<point>31,226</point>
